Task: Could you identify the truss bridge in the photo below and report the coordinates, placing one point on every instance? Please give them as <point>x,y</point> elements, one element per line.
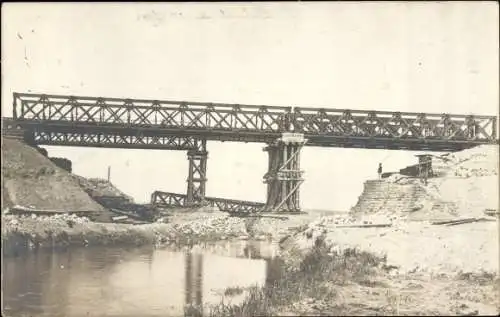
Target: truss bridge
<point>43,119</point>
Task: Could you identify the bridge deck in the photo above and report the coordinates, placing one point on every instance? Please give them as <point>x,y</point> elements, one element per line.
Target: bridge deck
<point>135,123</point>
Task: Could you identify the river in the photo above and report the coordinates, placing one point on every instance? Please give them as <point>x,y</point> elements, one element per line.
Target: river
<point>133,282</point>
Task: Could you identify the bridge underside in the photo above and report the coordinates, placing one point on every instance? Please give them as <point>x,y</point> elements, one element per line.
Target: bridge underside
<point>41,119</point>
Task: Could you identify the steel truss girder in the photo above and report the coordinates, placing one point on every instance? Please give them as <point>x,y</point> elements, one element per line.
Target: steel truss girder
<point>283,177</point>
<point>230,122</point>
<point>165,199</point>
<point>394,125</point>
<point>235,206</point>
<point>148,113</point>
<point>112,140</point>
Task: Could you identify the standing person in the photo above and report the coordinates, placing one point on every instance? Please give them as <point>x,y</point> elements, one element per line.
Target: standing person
<point>379,171</point>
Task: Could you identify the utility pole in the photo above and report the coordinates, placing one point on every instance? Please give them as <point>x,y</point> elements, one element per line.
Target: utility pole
<point>109,174</point>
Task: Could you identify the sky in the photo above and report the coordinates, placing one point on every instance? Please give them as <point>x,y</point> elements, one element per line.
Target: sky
<point>399,56</point>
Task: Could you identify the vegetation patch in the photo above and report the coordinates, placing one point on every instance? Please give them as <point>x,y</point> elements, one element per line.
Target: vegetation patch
<point>317,278</point>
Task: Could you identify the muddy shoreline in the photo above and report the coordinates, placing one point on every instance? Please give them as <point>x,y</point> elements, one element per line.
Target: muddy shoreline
<point>21,234</point>
<point>444,252</point>
<point>24,233</point>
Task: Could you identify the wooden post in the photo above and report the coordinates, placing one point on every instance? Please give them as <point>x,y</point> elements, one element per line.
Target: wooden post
<point>425,167</point>
<point>283,177</point>
<point>109,174</point>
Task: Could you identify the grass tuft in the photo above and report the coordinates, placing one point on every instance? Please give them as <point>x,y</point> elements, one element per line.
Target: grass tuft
<point>316,276</point>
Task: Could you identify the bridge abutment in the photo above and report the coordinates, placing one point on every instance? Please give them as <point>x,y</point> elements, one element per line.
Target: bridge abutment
<point>284,176</point>
<point>196,182</point>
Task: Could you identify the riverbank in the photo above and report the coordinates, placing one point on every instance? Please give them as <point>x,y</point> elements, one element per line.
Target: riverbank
<point>379,265</point>
<point>24,233</point>
<point>400,242</point>
<point>354,282</point>
<point>413,246</point>
<point>21,234</point>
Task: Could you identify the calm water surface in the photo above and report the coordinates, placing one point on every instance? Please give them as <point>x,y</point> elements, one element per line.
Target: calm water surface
<point>132,282</point>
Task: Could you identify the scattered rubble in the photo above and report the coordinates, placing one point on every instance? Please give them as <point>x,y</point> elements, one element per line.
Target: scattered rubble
<point>34,231</point>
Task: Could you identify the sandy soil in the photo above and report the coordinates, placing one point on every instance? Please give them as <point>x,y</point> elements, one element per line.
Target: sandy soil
<point>410,295</point>
<point>417,246</point>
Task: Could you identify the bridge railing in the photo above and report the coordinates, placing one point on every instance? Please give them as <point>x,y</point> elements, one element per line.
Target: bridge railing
<point>148,113</point>
<point>383,124</point>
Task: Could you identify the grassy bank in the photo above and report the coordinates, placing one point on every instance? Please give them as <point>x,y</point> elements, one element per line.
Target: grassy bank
<point>310,285</point>
<point>360,283</point>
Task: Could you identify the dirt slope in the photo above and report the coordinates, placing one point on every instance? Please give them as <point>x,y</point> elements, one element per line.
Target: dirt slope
<point>100,187</point>
<point>31,179</point>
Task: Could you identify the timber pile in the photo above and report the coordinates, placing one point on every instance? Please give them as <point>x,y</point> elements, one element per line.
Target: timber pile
<point>20,210</point>
<point>122,216</point>
<point>460,221</point>
<point>380,225</point>
<point>492,212</point>
<point>123,207</point>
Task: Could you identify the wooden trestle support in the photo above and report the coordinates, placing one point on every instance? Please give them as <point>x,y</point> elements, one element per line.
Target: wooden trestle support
<point>197,173</point>
<point>284,176</point>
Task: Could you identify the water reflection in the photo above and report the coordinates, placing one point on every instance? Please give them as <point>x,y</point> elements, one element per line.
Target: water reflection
<point>134,282</point>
